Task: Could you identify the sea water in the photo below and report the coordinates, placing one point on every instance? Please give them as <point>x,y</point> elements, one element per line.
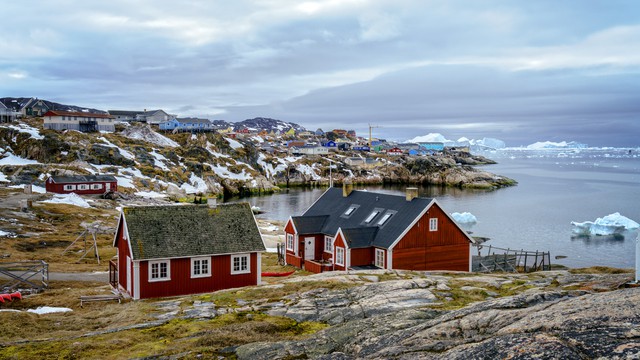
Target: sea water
<point>554,188</point>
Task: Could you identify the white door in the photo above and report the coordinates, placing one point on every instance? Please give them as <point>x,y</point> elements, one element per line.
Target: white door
<point>129,275</point>
<point>309,248</point>
<point>108,186</point>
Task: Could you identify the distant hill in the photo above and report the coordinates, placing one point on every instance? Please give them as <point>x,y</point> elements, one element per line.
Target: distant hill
<point>259,123</point>
<point>16,104</point>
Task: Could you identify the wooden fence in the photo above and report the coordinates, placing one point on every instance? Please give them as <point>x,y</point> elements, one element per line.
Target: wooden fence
<point>509,260</point>
<point>24,274</point>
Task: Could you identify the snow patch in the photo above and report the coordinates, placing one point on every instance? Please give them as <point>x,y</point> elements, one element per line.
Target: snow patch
<point>48,310</point>
<point>24,128</point>
<point>608,225</point>
<point>16,160</point>
<point>196,185</point>
<point>150,194</point>
<point>71,199</point>
<point>146,134</point>
<point>3,177</point>
<point>234,144</point>
<point>125,182</point>
<point>34,188</point>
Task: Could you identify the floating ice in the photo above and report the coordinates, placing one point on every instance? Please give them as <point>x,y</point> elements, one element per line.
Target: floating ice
<point>464,218</point>
<point>608,225</point>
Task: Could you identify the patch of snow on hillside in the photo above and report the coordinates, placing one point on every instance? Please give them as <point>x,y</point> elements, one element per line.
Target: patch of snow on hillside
<point>268,168</point>
<point>307,170</point>
<point>234,144</point>
<point>122,151</point>
<point>11,159</point>
<point>125,182</point>
<point>71,199</point>
<point>150,194</point>
<point>24,128</point>
<point>224,172</point>
<point>210,148</point>
<point>145,133</point>
<point>196,185</point>
<point>159,161</point>
<point>34,188</point>
<point>40,310</point>
<point>3,177</point>
<point>258,139</point>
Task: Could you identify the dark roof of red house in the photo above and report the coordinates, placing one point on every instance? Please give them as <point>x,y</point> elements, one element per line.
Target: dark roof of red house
<point>174,231</point>
<point>83,179</point>
<point>333,206</point>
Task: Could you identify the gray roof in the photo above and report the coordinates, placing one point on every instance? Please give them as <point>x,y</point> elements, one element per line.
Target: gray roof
<point>83,178</point>
<point>193,121</point>
<point>124,112</point>
<point>159,232</point>
<point>332,205</point>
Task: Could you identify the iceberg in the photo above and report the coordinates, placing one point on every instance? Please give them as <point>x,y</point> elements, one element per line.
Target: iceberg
<point>431,137</point>
<point>543,145</point>
<point>608,225</point>
<point>464,218</point>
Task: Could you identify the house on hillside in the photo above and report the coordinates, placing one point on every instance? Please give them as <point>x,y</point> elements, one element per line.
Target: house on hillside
<point>124,115</point>
<point>154,117</point>
<point>80,121</point>
<point>34,107</point>
<point>347,229</point>
<point>81,184</point>
<point>432,146</point>
<point>187,124</point>
<point>395,151</point>
<point>309,150</point>
<point>185,249</point>
<point>7,115</point>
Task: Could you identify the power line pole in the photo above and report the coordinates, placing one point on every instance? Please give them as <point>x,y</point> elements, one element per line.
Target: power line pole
<point>371,127</point>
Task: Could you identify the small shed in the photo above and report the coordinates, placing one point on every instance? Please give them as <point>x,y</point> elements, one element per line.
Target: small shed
<point>81,184</point>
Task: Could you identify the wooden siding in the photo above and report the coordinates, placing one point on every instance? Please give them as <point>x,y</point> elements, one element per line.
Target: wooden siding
<point>294,260</point>
<point>444,249</point>
<point>289,227</point>
<point>361,257</point>
<point>339,242</point>
<point>52,187</point>
<point>181,282</point>
<point>123,251</point>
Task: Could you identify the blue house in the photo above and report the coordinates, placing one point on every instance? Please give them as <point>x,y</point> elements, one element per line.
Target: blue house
<point>329,144</point>
<point>361,148</point>
<point>187,124</point>
<point>434,146</point>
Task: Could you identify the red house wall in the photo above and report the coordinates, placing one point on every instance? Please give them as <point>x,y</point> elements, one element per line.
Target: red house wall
<point>59,188</point>
<point>123,252</point>
<point>181,282</point>
<point>339,242</point>
<point>360,257</point>
<point>421,249</point>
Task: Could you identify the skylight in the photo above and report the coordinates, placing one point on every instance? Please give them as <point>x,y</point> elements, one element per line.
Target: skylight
<point>350,210</point>
<point>384,219</point>
<point>372,215</point>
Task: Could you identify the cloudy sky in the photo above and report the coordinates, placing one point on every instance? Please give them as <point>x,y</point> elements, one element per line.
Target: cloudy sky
<point>520,71</point>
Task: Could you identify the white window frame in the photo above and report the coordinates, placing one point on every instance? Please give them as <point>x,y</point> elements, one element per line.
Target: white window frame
<point>339,258</point>
<point>241,270</point>
<point>199,260</point>
<point>379,259</point>
<point>384,218</point>
<point>350,210</point>
<point>96,186</point>
<point>159,278</point>
<point>433,224</point>
<point>83,187</point>
<point>290,242</point>
<point>328,240</point>
<point>69,187</point>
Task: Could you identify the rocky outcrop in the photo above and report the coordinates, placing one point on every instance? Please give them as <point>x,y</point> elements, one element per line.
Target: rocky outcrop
<point>553,324</point>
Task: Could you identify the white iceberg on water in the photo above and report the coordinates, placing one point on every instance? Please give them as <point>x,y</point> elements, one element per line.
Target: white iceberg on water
<point>464,218</point>
<point>608,225</point>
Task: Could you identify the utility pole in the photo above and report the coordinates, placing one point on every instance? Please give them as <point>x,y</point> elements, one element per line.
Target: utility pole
<point>371,127</point>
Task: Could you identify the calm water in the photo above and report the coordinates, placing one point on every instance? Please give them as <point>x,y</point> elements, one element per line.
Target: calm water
<point>554,189</point>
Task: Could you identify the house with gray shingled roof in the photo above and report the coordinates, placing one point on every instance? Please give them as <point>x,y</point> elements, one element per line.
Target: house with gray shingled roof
<point>185,249</point>
<point>347,229</point>
<point>81,184</point>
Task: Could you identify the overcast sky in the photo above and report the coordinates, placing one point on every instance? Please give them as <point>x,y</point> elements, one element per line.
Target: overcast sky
<point>520,71</point>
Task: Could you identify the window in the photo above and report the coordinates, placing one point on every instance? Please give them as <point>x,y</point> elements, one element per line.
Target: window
<point>83,187</point>
<point>328,244</point>
<point>240,264</point>
<point>379,258</point>
<point>96,186</point>
<point>290,242</point>
<point>69,187</point>
<point>384,219</point>
<point>372,215</point>
<point>350,210</point>
<point>200,267</point>
<point>433,224</point>
<point>159,270</point>
<point>340,256</point>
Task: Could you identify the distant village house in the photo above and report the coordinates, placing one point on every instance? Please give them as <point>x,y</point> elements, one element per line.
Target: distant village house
<point>80,121</point>
<point>81,184</point>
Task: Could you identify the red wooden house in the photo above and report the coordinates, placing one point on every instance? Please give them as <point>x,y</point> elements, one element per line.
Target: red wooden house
<point>360,229</point>
<point>81,184</point>
<point>396,151</point>
<point>179,250</point>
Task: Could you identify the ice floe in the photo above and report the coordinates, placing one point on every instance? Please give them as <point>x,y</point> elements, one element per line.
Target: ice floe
<point>608,225</point>
<point>464,218</point>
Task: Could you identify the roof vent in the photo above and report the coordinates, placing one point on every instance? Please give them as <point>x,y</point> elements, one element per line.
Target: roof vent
<point>412,193</point>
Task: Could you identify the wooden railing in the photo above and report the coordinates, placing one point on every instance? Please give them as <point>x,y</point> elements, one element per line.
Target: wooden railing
<point>113,274</point>
<point>294,260</point>
<point>30,274</point>
<point>510,260</point>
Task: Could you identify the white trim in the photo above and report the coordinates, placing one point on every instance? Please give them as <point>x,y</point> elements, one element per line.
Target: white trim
<point>312,239</point>
<point>328,240</point>
<point>433,224</point>
<point>69,187</point>
<point>375,259</point>
<point>127,273</point>
<point>84,187</point>
<point>390,259</point>
<point>150,264</point>
<point>471,240</point>
<point>241,271</point>
<point>259,272</point>
<point>336,259</point>
<point>136,280</point>
<point>290,237</point>
<point>200,259</point>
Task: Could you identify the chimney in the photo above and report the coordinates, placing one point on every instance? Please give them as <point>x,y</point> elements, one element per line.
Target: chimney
<point>347,188</point>
<point>212,202</point>
<point>412,193</point>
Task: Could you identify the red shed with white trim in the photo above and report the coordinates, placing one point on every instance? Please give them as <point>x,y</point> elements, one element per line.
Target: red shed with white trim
<point>81,184</point>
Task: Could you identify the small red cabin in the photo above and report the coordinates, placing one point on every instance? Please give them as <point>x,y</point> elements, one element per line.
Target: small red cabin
<point>190,249</point>
<point>361,229</point>
<point>81,184</point>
